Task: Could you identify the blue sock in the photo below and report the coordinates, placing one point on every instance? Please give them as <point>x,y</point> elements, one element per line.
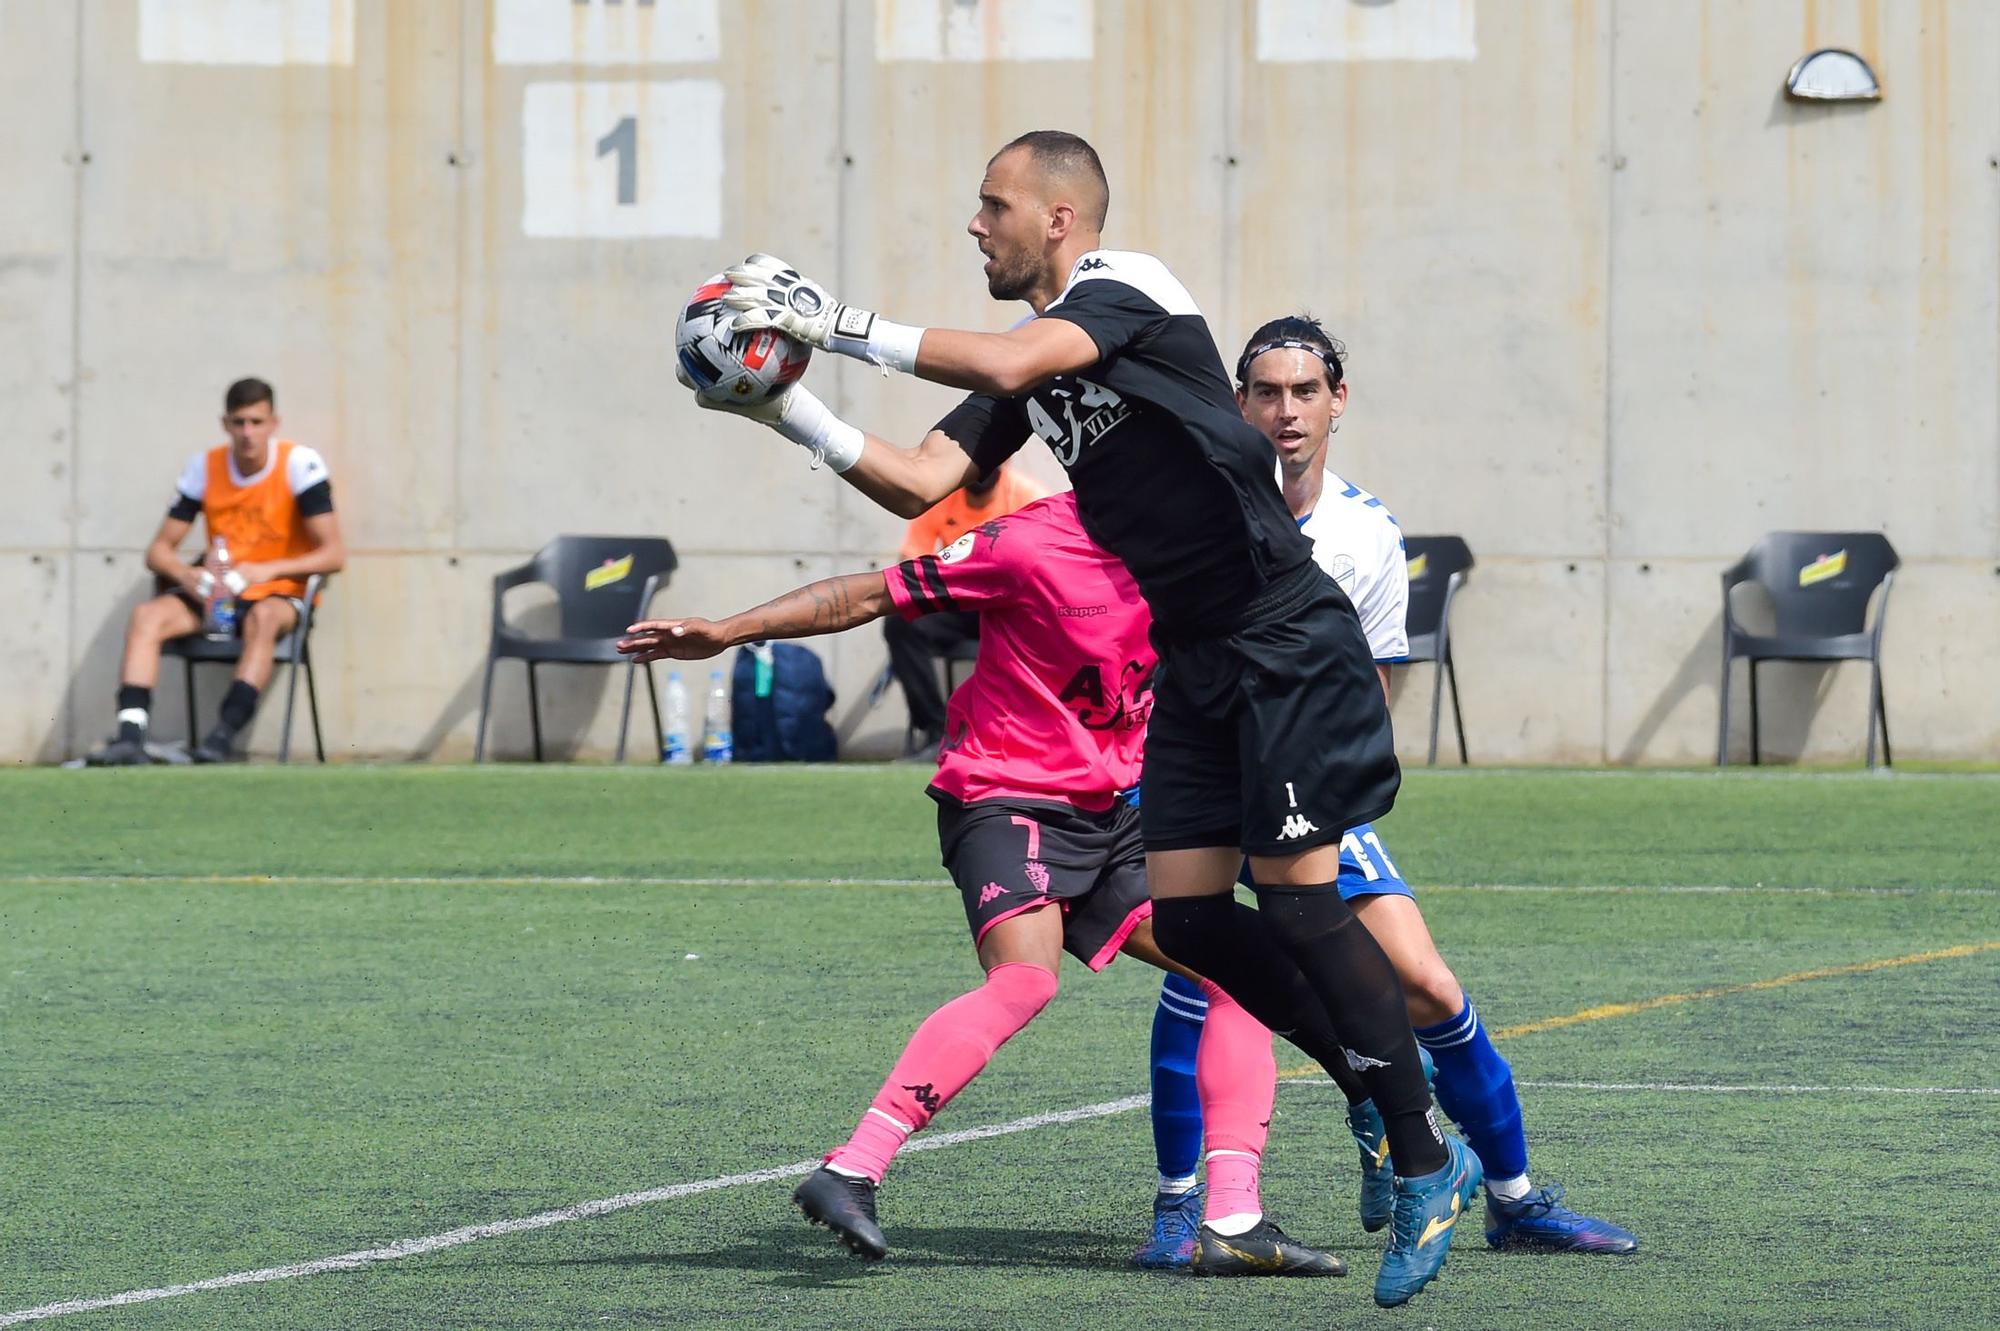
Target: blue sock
<point>1176,1108</point>
<point>1476,1087</point>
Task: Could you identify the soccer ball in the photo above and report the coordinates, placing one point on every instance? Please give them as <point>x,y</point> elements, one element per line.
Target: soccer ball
<point>729,368</point>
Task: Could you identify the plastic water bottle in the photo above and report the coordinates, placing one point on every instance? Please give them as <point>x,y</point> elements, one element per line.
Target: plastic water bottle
<point>718,745</point>
<point>674,736</point>
<point>223,582</point>
<point>761,653</point>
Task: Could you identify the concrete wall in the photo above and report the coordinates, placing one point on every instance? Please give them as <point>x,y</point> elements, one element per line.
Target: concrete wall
<point>1615,307</point>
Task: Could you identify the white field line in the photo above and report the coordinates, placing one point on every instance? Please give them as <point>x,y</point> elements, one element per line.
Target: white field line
<point>417,1247</point>
<point>1712,1088</point>
<point>621,880</point>
<point>401,1248</point>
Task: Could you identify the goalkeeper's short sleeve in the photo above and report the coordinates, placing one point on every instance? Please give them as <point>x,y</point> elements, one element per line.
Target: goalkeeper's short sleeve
<point>988,427</point>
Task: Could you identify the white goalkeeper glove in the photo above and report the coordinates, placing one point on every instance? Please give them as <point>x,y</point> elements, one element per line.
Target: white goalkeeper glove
<point>801,417</point>
<point>770,293</point>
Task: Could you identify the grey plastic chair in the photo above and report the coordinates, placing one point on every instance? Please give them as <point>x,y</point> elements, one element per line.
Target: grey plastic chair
<point>1438,568</point>
<point>602,585</point>
<point>294,650</point>
<point>1820,584</point>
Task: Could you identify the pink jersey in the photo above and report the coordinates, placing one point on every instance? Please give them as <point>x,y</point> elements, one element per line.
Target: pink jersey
<point>1056,707</point>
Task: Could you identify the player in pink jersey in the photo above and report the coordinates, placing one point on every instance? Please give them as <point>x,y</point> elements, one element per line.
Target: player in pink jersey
<point>1041,744</point>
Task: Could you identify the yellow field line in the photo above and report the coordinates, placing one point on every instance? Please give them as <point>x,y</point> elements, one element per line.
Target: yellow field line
<point>1605,1011</point>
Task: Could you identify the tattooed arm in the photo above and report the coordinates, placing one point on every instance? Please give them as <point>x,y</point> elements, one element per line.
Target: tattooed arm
<point>827,606</point>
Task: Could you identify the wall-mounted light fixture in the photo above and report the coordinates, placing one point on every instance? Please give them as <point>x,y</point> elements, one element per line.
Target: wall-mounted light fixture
<point>1832,75</point>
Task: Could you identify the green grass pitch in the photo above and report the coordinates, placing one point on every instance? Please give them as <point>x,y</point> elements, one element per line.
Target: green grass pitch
<point>252,1018</point>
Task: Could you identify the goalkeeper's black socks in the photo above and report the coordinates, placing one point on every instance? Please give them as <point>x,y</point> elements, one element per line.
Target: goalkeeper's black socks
<point>1283,963</point>
<point>1358,985</point>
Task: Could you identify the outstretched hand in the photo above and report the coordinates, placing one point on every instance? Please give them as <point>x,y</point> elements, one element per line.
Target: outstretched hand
<point>673,640</point>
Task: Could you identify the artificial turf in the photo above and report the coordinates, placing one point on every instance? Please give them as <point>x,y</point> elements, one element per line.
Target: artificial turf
<point>255,1017</point>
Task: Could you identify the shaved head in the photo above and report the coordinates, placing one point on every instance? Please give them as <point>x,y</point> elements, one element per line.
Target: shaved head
<point>1069,172</point>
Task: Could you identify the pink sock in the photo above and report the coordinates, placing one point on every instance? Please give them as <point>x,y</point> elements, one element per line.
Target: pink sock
<point>947,1052</point>
<point>1237,1079</point>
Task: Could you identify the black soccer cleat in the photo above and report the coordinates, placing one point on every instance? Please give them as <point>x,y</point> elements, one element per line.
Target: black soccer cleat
<point>216,748</point>
<point>120,753</point>
<point>1262,1250</point>
<point>847,1207</point>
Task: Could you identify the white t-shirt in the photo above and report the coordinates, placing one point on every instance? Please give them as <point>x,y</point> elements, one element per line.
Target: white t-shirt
<point>1356,540</point>
<point>304,469</point>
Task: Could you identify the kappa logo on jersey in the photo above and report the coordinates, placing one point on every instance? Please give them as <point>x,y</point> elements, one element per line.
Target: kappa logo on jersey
<point>1092,265</point>
<point>1101,409</point>
<point>1297,825</point>
<point>957,550</point>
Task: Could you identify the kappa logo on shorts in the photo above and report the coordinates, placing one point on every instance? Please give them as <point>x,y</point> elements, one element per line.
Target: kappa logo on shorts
<point>991,893</point>
<point>1297,825</point>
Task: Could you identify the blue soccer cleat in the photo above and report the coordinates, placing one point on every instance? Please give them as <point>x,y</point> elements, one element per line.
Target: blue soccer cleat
<point>1427,1210</point>
<point>1540,1221</point>
<point>1176,1218</point>
<point>1378,1176</point>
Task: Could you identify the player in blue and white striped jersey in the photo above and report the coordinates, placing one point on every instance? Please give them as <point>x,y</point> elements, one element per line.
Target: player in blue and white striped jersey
<point>1291,386</point>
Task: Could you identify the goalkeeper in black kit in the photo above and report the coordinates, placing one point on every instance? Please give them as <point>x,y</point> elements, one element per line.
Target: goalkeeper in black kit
<point>1269,735</point>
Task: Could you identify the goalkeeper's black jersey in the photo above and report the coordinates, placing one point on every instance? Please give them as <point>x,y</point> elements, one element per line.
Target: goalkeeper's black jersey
<point>1168,475</point>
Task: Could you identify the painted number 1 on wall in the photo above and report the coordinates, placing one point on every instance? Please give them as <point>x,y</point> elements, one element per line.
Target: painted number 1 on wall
<point>622,159</point>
